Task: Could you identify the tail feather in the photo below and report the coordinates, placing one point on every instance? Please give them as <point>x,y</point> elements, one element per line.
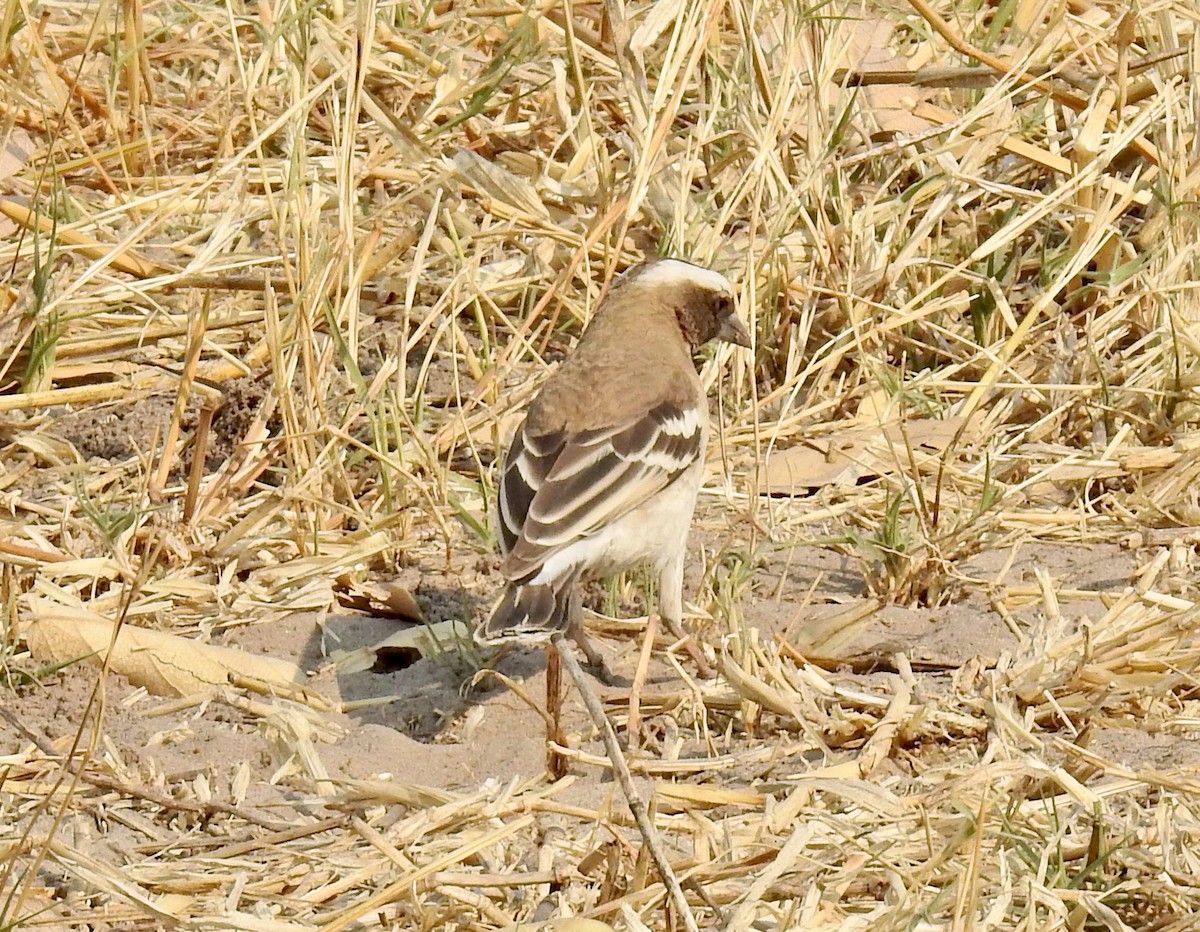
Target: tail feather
<point>526,613</point>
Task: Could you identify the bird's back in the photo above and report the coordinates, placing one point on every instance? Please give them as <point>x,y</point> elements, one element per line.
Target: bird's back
<point>605,381</point>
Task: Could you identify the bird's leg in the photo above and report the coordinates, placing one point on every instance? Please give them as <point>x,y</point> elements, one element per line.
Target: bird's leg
<point>575,632</point>
<point>556,764</point>
<point>670,606</point>
<point>634,724</point>
<point>689,644</point>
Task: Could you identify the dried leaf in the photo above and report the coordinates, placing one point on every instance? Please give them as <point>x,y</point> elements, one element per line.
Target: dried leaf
<point>165,664</point>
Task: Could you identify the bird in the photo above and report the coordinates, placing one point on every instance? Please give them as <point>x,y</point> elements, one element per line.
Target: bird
<point>603,474</point>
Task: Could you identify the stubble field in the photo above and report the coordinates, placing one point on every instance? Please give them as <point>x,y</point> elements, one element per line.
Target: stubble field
<point>279,280</point>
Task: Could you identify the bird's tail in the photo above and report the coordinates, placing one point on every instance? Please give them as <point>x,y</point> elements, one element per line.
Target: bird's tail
<point>527,613</point>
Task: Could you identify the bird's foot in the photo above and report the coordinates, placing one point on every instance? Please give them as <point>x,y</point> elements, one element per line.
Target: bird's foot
<point>691,645</point>
<point>595,663</point>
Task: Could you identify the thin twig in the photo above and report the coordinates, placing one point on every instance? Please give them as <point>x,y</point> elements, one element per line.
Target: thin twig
<point>641,814</point>
<point>556,762</point>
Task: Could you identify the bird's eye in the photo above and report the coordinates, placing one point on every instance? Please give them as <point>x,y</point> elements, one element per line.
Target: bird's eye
<point>724,305</point>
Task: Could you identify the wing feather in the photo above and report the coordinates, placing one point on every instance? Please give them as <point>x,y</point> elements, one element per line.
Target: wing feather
<point>556,490</point>
<point>529,460</point>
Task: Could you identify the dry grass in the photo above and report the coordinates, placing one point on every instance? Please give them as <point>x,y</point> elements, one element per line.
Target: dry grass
<point>359,232</point>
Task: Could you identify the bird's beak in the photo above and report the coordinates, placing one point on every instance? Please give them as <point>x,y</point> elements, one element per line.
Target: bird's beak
<point>734,331</point>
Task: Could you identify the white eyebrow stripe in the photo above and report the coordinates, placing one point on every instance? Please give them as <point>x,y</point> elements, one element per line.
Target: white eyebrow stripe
<point>677,272</point>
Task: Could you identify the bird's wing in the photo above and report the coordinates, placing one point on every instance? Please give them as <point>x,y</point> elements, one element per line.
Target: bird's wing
<point>559,487</point>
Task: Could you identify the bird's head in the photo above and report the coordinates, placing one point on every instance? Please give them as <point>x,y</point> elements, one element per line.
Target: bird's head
<point>703,300</point>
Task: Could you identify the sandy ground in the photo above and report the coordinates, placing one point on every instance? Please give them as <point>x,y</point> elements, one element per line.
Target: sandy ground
<point>437,723</point>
